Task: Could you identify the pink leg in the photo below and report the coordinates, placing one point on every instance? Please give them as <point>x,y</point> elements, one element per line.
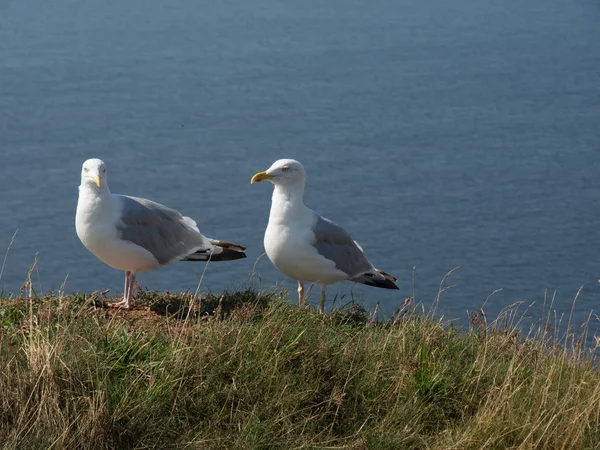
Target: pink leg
<point>124,303</point>
<point>132,288</point>
<point>127,274</point>
<point>300,293</point>
<point>129,302</point>
<point>322,301</point>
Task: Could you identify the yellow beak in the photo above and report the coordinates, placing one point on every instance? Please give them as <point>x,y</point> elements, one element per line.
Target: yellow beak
<point>96,179</point>
<point>260,176</point>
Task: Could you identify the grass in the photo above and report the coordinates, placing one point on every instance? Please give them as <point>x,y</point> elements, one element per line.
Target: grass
<point>248,370</point>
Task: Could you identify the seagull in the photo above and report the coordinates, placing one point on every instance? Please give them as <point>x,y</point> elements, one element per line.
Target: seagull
<point>306,246</point>
<point>136,235</point>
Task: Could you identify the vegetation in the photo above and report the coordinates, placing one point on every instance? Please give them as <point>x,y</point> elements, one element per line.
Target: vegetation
<point>248,370</point>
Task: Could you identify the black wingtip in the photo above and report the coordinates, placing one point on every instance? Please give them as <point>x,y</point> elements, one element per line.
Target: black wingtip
<point>384,284</point>
<point>225,255</point>
<point>377,279</point>
<point>228,255</point>
<point>228,251</point>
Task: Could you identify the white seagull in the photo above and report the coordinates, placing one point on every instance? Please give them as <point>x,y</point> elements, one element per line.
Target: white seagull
<point>136,235</point>
<point>307,247</point>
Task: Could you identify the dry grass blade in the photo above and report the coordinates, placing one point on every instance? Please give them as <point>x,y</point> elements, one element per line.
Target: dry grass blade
<point>12,240</point>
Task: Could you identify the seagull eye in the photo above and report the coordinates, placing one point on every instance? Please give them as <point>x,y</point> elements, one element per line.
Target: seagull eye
<point>103,170</point>
<point>285,169</point>
<point>85,169</point>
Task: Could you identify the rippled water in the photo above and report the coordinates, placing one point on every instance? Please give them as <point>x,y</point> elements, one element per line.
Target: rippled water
<point>440,134</point>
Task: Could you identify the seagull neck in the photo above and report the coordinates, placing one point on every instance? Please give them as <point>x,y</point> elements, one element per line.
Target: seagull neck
<point>289,193</point>
<point>287,199</point>
<point>93,205</point>
<point>88,190</point>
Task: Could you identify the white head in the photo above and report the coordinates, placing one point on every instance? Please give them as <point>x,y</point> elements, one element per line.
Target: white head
<point>283,172</point>
<point>93,173</point>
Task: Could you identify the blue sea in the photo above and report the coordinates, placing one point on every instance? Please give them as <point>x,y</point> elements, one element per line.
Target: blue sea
<point>440,134</point>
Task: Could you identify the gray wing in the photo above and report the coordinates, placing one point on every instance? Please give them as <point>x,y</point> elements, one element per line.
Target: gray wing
<point>335,244</point>
<point>162,231</point>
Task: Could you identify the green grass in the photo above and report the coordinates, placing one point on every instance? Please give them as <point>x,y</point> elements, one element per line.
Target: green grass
<point>247,370</point>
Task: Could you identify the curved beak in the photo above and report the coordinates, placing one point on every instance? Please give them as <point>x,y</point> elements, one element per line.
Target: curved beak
<point>97,180</point>
<point>260,176</point>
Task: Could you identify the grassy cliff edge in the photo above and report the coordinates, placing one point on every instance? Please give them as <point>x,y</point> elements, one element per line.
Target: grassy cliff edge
<point>248,370</point>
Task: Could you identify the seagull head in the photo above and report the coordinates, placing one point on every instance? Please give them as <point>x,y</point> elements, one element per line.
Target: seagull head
<point>282,172</point>
<point>93,173</point>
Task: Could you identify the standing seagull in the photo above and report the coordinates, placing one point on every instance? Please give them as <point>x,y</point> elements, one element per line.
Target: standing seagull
<point>307,247</point>
<point>136,235</point>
